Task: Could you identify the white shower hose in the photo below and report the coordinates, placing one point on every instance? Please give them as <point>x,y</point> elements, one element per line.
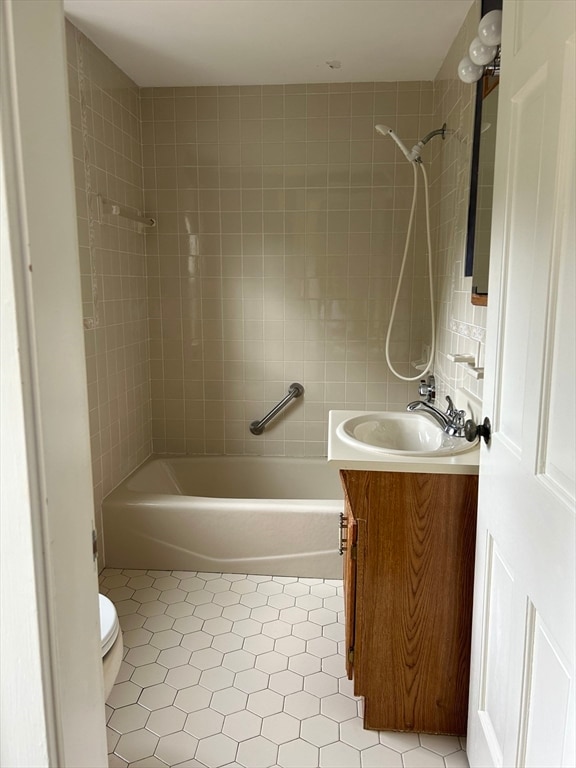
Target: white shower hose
<point>429,243</point>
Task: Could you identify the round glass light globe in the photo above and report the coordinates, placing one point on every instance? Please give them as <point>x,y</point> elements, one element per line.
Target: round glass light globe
<point>468,71</point>
<point>490,28</point>
<point>481,54</point>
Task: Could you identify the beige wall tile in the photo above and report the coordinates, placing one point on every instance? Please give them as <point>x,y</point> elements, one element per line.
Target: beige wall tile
<point>108,142</point>
<point>281,224</point>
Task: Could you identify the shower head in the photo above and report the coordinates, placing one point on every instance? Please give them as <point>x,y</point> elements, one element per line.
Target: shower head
<point>411,155</point>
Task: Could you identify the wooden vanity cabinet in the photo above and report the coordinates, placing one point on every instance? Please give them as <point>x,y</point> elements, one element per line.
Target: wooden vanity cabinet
<point>408,574</point>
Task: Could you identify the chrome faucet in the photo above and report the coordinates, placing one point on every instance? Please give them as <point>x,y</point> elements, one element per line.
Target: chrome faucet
<point>451,420</point>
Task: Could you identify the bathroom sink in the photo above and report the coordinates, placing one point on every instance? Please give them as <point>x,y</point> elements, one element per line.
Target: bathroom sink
<point>406,434</point>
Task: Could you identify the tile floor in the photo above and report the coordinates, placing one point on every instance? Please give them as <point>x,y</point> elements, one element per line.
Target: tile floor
<point>243,671</point>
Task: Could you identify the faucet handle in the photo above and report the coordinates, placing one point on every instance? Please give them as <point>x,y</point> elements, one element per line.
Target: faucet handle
<point>451,410</point>
<point>427,388</point>
<point>459,418</point>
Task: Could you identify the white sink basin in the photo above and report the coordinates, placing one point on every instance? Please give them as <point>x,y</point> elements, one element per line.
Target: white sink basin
<point>406,434</point>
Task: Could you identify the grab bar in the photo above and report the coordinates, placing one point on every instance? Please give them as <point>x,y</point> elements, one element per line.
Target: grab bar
<point>294,390</point>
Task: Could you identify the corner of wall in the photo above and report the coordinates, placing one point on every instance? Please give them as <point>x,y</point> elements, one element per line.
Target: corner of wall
<point>461,326</point>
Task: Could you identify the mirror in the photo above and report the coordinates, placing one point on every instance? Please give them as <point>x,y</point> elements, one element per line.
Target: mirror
<point>482,182</point>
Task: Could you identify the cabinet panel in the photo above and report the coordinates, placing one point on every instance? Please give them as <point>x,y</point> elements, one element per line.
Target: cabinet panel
<point>413,601</point>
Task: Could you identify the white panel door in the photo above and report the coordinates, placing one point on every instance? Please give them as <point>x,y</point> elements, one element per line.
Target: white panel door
<point>523,668</point>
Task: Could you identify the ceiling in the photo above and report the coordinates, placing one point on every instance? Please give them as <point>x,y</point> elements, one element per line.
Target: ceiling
<point>249,42</point>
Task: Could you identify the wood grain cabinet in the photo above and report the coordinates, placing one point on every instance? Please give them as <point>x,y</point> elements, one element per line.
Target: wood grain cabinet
<point>408,573</point>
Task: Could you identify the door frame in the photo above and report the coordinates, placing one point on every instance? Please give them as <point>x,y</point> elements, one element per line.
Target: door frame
<point>53,694</point>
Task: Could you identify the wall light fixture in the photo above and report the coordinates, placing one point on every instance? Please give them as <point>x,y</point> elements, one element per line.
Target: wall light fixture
<point>484,51</point>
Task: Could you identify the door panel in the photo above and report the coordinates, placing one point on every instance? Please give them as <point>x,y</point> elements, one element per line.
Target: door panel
<point>548,693</point>
<point>522,681</point>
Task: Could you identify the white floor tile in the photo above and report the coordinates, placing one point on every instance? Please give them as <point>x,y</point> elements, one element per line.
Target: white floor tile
<point>319,731</point>
<point>235,671</point>
<point>422,758</point>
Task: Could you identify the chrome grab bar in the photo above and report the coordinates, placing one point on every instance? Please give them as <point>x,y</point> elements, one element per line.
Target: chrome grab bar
<point>294,390</point>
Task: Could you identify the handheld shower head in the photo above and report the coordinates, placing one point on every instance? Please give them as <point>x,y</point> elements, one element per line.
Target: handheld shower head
<point>411,155</point>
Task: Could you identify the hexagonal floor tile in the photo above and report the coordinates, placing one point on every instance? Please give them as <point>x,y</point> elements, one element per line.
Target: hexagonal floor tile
<point>192,699</point>
<point>422,758</point>
<point>246,627</point>
<point>216,751</point>
<point>352,732</point>
<point>182,677</point>
<point>176,747</point>
<point>243,672</point>
<point>381,757</point>
<point>124,694</point>
<point>174,657</point>
<point>204,723</point>
<point>142,655</point>
<point>271,662</point>
<point>276,629</point>
<point>302,704</point>
<point>217,678</point>
<point>166,639</point>
<point>208,611</point>
<point>251,680</point>
<point>242,725</point>
<point>227,642</point>
<point>257,753</point>
<point>196,641</point>
<point>130,718</point>
<point>265,702</point>
<point>136,745</point>
<point>172,596</point>
<point>166,582</point>
<point>280,728</point>
<point>217,626</point>
<point>338,707</point>
<point>239,660</point>
<point>158,623</point>
<point>139,582</point>
<point>299,753</point>
<point>442,745</point>
<point>339,755</point>
<point>157,696</point>
<point>229,700</point>
<point>187,624</point>
<point>164,721</point>
<point>319,730</point>
<point>149,674</point>
<point>253,599</point>
<point>206,658</point>
<point>136,637</point>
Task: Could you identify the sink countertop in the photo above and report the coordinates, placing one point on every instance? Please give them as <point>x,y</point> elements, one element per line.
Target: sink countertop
<point>344,456</point>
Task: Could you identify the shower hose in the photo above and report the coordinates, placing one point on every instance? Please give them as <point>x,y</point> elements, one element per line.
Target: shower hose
<point>406,246</point>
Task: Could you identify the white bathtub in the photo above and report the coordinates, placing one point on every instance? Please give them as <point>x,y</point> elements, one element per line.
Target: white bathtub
<point>260,515</point>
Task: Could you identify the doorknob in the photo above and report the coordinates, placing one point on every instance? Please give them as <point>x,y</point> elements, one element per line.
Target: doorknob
<point>473,430</point>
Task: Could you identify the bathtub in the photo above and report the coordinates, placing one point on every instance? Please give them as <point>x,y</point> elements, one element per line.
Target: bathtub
<point>231,514</point>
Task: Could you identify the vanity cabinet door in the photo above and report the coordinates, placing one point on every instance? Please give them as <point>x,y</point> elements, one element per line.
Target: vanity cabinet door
<point>408,618</point>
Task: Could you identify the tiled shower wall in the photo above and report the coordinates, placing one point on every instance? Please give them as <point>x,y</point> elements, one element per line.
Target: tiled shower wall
<point>105,117</point>
<point>281,223</point>
<point>461,326</point>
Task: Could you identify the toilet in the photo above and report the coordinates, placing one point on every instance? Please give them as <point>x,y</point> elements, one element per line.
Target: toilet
<point>111,643</point>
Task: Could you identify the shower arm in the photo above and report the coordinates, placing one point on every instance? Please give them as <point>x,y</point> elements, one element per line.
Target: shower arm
<point>420,145</point>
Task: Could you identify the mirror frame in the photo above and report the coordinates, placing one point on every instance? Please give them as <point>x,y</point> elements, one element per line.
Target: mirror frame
<point>483,88</point>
